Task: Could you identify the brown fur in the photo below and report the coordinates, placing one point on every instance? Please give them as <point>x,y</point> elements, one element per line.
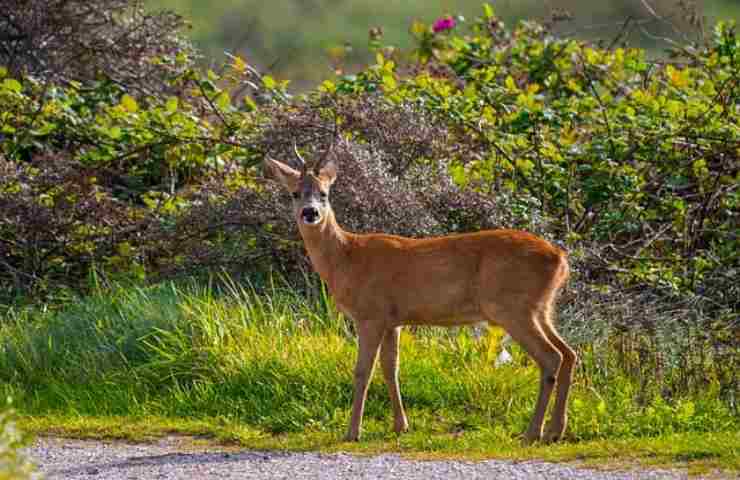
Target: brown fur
<point>507,278</point>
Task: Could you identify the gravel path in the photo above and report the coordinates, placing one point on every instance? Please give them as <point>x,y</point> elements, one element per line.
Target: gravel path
<point>173,458</point>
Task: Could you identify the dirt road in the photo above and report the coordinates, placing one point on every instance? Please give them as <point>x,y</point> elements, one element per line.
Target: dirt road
<point>174,458</point>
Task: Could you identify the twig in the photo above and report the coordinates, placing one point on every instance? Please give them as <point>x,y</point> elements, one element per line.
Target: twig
<point>621,32</point>
<point>603,109</point>
<point>213,107</point>
<point>663,20</point>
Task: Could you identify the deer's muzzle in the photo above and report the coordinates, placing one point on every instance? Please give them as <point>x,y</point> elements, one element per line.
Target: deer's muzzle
<point>310,215</point>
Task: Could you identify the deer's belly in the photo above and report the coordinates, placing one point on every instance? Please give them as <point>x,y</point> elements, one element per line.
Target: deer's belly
<point>410,300</point>
<point>448,321</point>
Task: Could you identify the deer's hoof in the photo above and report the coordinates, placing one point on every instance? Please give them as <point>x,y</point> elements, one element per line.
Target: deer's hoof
<point>351,437</point>
<point>553,436</point>
<point>554,432</point>
<point>531,438</point>
<point>401,427</point>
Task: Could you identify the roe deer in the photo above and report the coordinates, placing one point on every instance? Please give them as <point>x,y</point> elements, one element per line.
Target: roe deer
<point>507,278</point>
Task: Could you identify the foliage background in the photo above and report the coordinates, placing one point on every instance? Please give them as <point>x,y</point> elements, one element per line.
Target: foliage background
<point>301,40</point>
<point>110,183</point>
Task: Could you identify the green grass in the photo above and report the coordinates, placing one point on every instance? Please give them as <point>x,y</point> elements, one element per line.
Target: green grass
<point>699,453</point>
<point>273,370</point>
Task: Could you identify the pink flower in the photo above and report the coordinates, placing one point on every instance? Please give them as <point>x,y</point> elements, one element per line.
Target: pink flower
<point>442,24</point>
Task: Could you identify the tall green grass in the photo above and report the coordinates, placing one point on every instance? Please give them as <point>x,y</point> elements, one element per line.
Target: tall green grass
<point>278,360</point>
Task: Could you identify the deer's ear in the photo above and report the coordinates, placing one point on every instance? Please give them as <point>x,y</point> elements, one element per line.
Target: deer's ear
<point>284,174</point>
<point>328,172</point>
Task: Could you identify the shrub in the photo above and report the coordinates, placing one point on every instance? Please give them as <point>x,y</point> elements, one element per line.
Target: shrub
<point>81,41</point>
<point>58,223</point>
<point>498,127</point>
<point>519,128</point>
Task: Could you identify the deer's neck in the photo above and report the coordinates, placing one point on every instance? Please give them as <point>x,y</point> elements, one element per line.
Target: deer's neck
<point>327,245</point>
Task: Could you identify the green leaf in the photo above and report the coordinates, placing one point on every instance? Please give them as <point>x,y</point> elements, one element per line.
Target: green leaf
<point>389,82</point>
<point>524,165</point>
<point>239,64</point>
<point>223,101</point>
<point>208,86</point>
<point>44,129</point>
<point>269,82</point>
<point>125,249</point>
<point>249,104</point>
<point>129,103</point>
<point>13,85</point>
<point>488,11</point>
<point>172,104</point>
<point>511,84</point>
<point>328,86</point>
<point>418,29</point>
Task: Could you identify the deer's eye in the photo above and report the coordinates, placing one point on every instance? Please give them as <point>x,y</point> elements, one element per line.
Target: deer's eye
<point>323,194</point>
<point>296,195</point>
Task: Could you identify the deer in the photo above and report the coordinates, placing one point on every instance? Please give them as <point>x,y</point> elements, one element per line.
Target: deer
<point>506,278</point>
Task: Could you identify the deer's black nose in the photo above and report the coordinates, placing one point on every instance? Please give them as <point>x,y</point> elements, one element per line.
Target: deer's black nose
<point>310,215</point>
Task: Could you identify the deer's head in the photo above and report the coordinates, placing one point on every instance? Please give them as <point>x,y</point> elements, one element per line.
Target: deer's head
<point>309,187</point>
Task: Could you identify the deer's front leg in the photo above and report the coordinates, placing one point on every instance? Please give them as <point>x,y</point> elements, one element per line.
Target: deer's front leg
<point>369,337</point>
<point>389,362</point>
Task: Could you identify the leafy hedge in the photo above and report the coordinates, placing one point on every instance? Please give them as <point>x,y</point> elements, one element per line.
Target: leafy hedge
<point>606,147</point>
<point>72,41</point>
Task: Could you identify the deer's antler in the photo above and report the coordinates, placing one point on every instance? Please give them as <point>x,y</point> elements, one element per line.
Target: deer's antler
<point>301,161</point>
<point>336,137</point>
<point>324,158</point>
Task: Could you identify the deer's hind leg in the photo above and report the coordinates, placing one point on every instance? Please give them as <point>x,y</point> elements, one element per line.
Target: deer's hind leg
<point>523,326</point>
<point>559,419</point>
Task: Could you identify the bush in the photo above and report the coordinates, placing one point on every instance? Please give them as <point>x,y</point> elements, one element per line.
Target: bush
<point>598,147</point>
<point>95,180</point>
<point>82,41</point>
<point>58,224</point>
